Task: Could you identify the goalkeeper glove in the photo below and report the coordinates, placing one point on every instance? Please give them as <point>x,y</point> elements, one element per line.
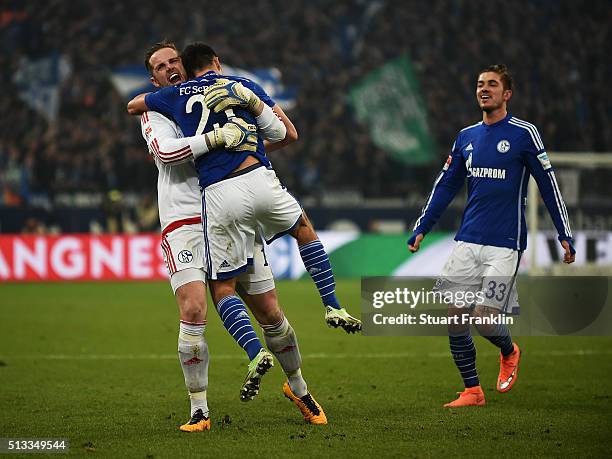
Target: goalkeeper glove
<point>236,134</point>
<point>226,94</point>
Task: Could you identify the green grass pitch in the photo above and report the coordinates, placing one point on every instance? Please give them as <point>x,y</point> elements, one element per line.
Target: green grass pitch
<point>96,363</point>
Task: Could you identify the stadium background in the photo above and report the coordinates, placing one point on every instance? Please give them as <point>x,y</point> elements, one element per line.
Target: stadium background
<point>73,166</point>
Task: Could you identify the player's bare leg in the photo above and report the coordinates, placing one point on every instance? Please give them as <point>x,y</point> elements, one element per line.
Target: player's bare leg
<point>237,322</point>
<point>316,262</point>
<point>282,342</point>
<point>464,354</point>
<point>193,352</point>
<point>510,354</point>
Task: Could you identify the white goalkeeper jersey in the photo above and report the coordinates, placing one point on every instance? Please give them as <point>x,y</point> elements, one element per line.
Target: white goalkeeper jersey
<point>178,191</point>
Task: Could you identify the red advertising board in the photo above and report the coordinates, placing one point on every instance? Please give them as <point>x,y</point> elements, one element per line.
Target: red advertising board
<point>81,257</point>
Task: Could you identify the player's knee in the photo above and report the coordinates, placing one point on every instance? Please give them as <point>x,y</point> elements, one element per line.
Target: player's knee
<point>191,306</point>
<point>304,232</point>
<point>221,289</point>
<point>456,324</point>
<point>280,329</point>
<point>487,324</point>
<point>271,312</point>
<point>271,316</point>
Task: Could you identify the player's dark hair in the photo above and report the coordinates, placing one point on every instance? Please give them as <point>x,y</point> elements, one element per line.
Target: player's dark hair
<point>197,56</point>
<point>156,47</point>
<point>503,73</point>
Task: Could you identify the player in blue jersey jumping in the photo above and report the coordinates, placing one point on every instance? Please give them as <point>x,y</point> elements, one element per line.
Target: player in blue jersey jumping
<point>497,156</point>
<point>203,105</point>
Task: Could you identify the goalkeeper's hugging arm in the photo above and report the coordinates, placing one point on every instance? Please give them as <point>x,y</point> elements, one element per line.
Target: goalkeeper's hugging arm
<point>290,132</point>
<point>273,125</point>
<point>165,142</point>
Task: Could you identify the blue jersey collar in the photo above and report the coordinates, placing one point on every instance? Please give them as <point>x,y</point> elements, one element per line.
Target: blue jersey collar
<point>500,122</point>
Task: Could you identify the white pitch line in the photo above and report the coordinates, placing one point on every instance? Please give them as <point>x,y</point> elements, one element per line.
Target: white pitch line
<point>396,355</point>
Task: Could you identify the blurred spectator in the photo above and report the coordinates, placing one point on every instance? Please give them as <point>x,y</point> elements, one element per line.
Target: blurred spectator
<point>147,214</point>
<point>117,219</point>
<point>34,226</point>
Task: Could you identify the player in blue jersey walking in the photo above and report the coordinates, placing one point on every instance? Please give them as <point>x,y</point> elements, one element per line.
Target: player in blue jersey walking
<point>496,155</point>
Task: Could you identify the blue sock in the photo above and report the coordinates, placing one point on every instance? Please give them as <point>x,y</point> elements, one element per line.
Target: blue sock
<point>318,266</point>
<point>464,354</point>
<point>237,322</point>
<point>502,339</point>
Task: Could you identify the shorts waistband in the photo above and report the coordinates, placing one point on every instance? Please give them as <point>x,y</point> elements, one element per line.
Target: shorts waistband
<point>246,170</point>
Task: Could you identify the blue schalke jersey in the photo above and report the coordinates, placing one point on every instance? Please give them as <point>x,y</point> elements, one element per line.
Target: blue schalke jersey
<point>497,160</point>
<point>184,103</point>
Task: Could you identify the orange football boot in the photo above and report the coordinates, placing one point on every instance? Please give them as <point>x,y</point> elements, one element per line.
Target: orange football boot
<point>471,396</point>
<point>311,410</point>
<point>508,370</point>
<point>197,423</point>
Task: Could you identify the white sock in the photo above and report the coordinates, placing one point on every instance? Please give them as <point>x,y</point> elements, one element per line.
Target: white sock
<point>282,342</point>
<point>193,355</point>
<point>297,384</point>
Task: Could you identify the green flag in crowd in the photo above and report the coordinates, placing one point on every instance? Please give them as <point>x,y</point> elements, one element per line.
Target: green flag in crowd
<point>389,102</point>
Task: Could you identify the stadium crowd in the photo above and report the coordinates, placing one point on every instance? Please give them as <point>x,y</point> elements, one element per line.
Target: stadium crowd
<point>556,50</point>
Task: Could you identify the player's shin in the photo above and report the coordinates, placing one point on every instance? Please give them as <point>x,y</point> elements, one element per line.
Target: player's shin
<point>193,355</point>
<point>237,322</point>
<point>316,262</point>
<point>464,354</point>
<point>500,337</point>
<point>282,342</point>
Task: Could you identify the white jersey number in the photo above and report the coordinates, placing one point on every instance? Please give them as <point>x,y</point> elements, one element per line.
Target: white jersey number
<point>198,98</point>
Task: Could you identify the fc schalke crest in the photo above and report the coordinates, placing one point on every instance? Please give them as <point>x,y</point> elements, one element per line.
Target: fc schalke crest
<point>185,256</point>
<point>503,146</point>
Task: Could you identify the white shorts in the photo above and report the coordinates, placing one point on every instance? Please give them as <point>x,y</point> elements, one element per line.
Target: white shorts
<point>183,248</point>
<point>257,278</point>
<point>185,257</point>
<point>482,268</point>
<point>237,209</point>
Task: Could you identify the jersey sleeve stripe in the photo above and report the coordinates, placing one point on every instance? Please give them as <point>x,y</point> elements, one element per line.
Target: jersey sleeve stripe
<point>533,127</point>
<point>533,139</point>
<point>471,126</point>
<point>564,214</point>
<point>169,157</point>
<point>559,202</point>
<point>520,211</point>
<point>533,131</point>
<point>418,222</point>
<point>170,153</point>
<point>154,147</point>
